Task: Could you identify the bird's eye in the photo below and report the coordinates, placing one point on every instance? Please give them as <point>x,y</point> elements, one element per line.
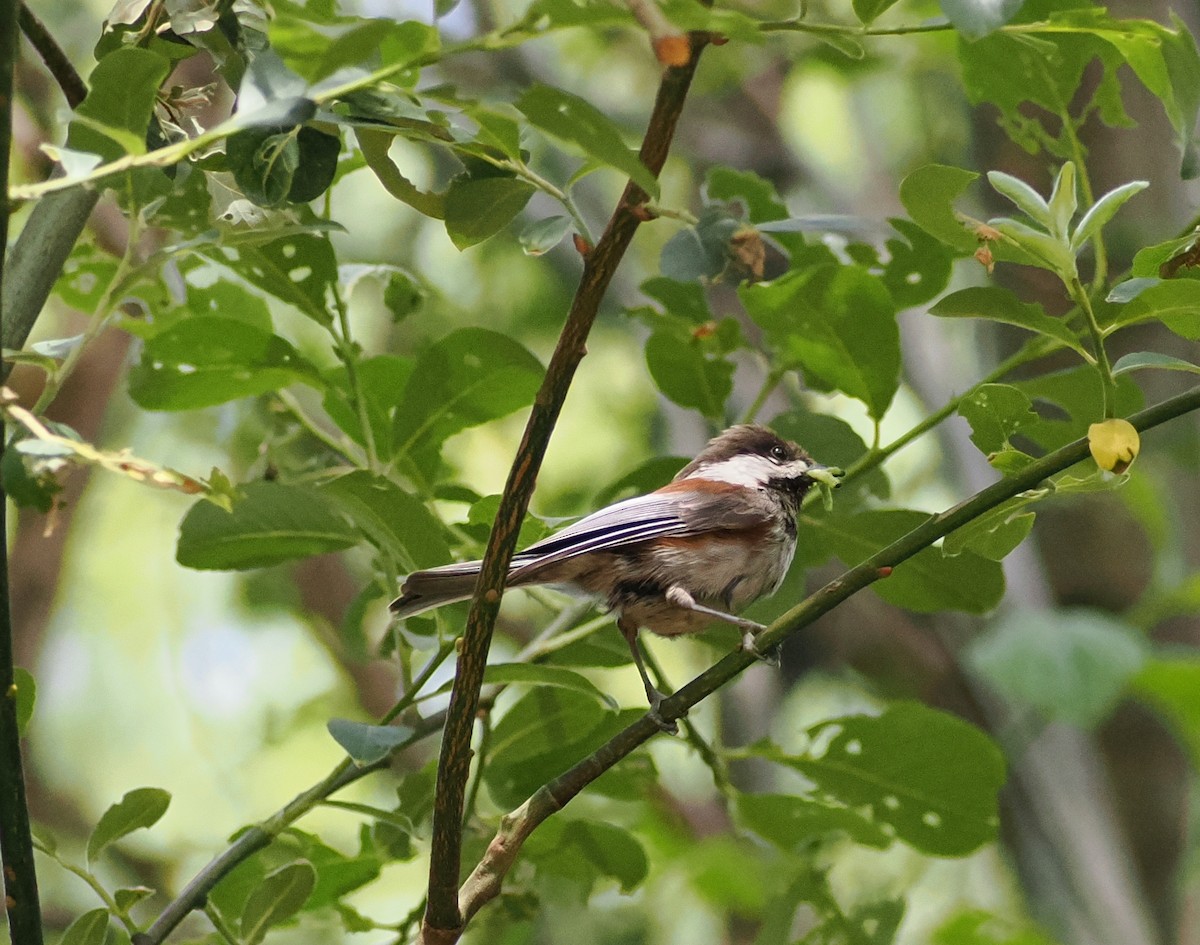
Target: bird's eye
<point>778,452</point>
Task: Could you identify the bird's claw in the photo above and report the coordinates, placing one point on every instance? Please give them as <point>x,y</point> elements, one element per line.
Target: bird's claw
<point>670,726</point>
<point>770,656</point>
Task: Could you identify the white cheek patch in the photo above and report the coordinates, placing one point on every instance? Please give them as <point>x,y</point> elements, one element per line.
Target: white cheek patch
<point>794,470</point>
<point>747,470</point>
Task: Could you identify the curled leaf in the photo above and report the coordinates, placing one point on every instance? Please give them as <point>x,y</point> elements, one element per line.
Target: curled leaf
<point>1114,444</point>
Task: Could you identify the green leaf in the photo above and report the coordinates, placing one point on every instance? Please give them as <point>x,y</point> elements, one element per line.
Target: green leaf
<point>995,534</point>
<point>687,375</point>
<point>1103,210</point>
<point>868,10</point>
<point>538,674</point>
<point>578,122</point>
<point>793,823</point>
<point>91,928</point>
<point>1025,197</point>
<point>926,583</point>
<point>318,165</point>
<point>337,873</point>
<point>918,269</point>
<point>1175,302</point>
<point>1070,665</point>
<point>264,161</point>
<point>279,897</point>
<point>139,808</point>
<point>479,209</point>
<point>391,518</point>
<point>543,235</point>
<point>1141,360</point>
<point>129,896</point>
<point>469,377</point>
<point>1170,682</point>
<point>121,95</point>
<point>839,324</point>
<point>685,300</point>
<point>996,412</point>
<point>25,696</point>
<point>1077,396</point>
<point>583,851</point>
<point>544,733</point>
<point>930,777</point>
<point>976,927</point>
<point>1064,201</point>
<point>381,382</point>
<point>297,268</point>
<point>976,18</point>
<point>271,523</point>
<point>703,251</point>
<point>204,361</point>
<point>928,194</point>
<point>1033,247</point>
<point>762,200</point>
<point>367,744</point>
<point>1001,305</point>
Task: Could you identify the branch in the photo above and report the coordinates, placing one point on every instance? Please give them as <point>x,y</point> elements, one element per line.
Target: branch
<point>486,879</point>
<point>443,922</point>
<point>55,60</point>
<point>16,841</point>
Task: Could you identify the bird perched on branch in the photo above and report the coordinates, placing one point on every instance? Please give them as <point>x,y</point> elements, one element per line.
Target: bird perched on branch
<point>719,536</point>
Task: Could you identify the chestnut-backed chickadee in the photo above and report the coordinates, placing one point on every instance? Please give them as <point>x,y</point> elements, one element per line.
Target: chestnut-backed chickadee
<point>714,539</point>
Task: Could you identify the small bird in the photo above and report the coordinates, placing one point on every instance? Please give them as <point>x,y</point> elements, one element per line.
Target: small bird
<point>719,536</point>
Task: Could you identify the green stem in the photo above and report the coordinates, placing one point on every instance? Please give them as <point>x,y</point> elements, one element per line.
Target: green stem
<point>348,351</point>
<point>521,169</point>
<point>109,902</point>
<point>124,274</point>
<point>770,382</point>
<point>876,457</point>
<point>840,29</point>
<point>219,923</point>
<point>1107,380</point>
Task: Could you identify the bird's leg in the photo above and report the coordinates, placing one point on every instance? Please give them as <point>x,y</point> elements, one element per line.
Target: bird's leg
<point>629,630</point>
<point>750,629</point>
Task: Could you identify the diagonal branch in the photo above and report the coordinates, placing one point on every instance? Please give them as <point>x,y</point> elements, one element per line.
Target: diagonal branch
<point>443,922</point>
<point>486,879</point>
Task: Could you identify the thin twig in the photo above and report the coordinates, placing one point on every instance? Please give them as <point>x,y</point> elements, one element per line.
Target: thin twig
<point>485,881</point>
<point>443,921</point>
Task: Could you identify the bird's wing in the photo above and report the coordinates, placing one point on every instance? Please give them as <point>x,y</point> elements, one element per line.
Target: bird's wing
<point>663,514</point>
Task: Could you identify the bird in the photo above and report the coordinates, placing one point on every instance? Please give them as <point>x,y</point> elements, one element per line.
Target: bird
<point>717,537</point>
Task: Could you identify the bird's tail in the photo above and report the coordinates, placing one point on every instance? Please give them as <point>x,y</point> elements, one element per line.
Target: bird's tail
<point>425,590</point>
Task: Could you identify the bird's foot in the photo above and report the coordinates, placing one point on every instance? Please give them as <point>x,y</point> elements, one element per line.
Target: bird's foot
<point>670,726</point>
<point>770,656</point>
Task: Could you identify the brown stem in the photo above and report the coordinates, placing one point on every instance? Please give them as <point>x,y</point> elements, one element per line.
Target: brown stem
<point>443,920</point>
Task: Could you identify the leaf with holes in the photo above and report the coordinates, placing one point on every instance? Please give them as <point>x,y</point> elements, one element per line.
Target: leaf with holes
<point>264,162</point>
<point>298,269</point>
<point>471,376</point>
<point>927,776</point>
<point>996,412</point>
<point>204,361</point>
